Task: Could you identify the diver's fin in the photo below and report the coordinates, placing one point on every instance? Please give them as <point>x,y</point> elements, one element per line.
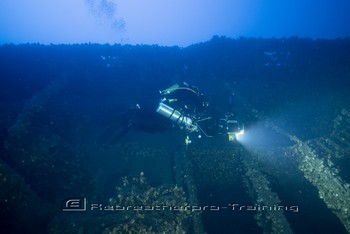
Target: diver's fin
<point>170,89</point>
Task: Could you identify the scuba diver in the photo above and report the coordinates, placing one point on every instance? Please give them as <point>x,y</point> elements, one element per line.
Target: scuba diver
<point>186,106</point>
<point>183,105</point>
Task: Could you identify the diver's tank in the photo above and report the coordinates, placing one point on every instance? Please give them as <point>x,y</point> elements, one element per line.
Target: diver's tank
<point>174,115</point>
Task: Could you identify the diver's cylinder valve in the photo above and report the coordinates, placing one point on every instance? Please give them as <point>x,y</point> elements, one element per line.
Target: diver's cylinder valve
<point>174,115</point>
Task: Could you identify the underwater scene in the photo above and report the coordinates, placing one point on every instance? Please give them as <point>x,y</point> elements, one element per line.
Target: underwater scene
<point>241,135</point>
